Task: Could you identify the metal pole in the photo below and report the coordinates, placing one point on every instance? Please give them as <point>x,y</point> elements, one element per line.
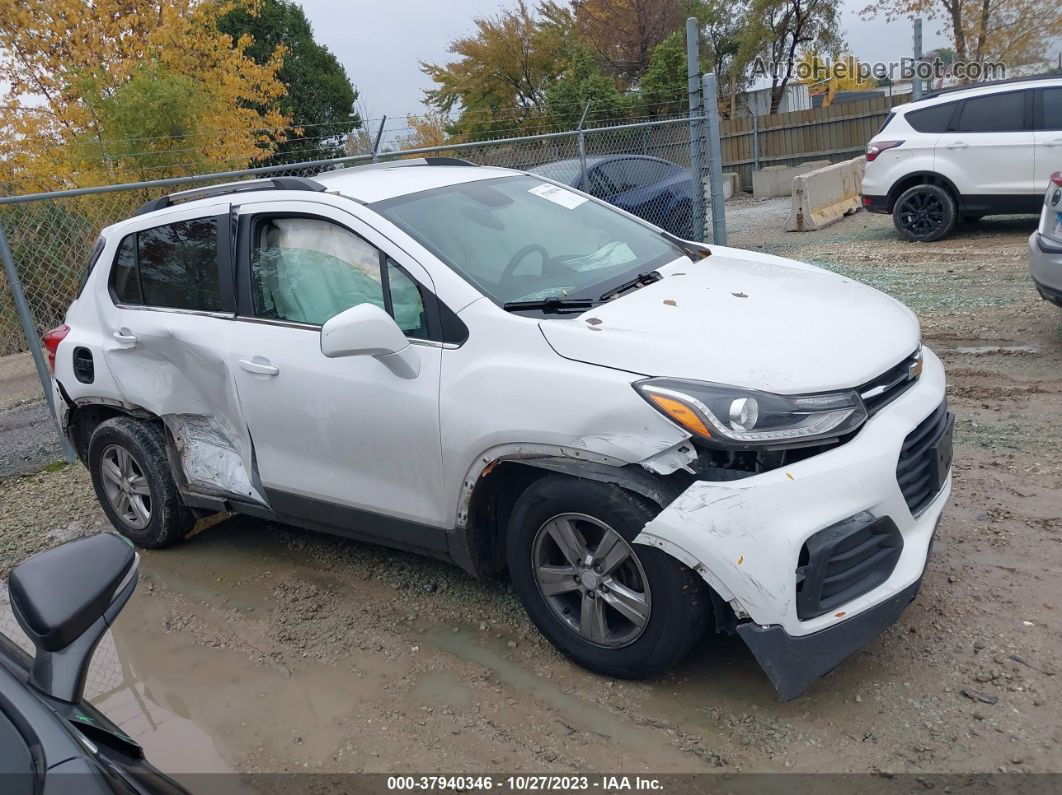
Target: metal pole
<point>710,97</point>
<point>916,84</point>
<point>693,73</point>
<point>755,141</point>
<point>32,340</point>
<point>581,138</point>
<point>376,142</point>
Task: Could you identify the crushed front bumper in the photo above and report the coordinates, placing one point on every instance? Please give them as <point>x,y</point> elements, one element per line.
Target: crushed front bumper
<point>745,538</point>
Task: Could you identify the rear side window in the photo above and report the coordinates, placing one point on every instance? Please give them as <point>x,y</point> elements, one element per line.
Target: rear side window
<point>174,266</point>
<point>124,280</point>
<point>1051,113</point>
<point>993,113</point>
<point>930,120</point>
<point>179,265</point>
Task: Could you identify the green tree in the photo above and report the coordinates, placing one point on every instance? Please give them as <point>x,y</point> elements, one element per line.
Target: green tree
<point>320,98</point>
<point>664,87</point>
<point>144,126</point>
<point>581,82</point>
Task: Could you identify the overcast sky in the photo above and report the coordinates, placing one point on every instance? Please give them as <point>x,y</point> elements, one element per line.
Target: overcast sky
<point>380,42</point>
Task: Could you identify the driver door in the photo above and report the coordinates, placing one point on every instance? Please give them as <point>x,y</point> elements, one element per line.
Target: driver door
<point>343,443</point>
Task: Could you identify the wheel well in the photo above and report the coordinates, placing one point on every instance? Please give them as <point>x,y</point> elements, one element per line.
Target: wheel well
<point>500,485</point>
<point>922,178</point>
<point>492,502</point>
<point>85,419</point>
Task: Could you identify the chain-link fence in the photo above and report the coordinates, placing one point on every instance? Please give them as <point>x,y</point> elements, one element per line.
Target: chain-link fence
<point>643,167</point>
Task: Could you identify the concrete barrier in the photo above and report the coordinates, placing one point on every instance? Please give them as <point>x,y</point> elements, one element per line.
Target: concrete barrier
<point>826,195</point>
<point>731,185</point>
<point>773,181</point>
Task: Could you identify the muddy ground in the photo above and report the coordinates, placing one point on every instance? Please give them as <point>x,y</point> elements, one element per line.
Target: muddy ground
<point>257,647</point>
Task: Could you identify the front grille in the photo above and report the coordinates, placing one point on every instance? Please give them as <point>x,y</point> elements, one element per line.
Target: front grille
<point>881,391</point>
<point>918,471</point>
<point>845,561</point>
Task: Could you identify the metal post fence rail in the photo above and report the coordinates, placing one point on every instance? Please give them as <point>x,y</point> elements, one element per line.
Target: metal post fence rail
<point>710,100</point>
<point>693,74</point>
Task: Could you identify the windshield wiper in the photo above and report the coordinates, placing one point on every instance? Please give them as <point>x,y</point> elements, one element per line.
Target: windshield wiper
<point>551,304</point>
<point>640,280</point>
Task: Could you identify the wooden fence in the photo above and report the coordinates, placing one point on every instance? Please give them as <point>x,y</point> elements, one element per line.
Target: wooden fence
<point>836,133</point>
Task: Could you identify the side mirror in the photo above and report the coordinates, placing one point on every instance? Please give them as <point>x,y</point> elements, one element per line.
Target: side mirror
<point>367,330</point>
<point>65,599</point>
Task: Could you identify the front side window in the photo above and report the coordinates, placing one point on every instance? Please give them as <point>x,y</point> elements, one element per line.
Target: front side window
<point>173,266</point>
<point>521,239</point>
<point>307,270</point>
<point>993,113</point>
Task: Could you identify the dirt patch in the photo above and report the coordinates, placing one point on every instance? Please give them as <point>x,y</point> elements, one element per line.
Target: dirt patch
<point>256,647</point>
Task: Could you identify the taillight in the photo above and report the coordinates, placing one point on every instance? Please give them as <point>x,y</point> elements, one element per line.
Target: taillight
<point>1056,178</point>
<point>875,148</point>
<point>51,341</point>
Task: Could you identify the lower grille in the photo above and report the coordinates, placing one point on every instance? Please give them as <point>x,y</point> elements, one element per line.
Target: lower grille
<point>845,561</point>
<point>918,470</point>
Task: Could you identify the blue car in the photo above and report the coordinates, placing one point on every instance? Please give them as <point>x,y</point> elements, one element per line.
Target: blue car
<point>657,190</point>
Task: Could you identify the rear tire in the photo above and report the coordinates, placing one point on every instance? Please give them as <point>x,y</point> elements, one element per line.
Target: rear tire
<point>925,213</point>
<point>647,610</point>
<point>131,475</point>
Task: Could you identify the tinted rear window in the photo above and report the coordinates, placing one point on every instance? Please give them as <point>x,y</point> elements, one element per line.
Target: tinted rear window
<point>993,113</point>
<point>931,120</point>
<point>124,280</point>
<point>179,265</point>
<point>1052,109</point>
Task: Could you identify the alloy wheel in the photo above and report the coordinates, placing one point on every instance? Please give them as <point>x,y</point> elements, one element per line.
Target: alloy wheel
<point>125,486</point>
<point>921,213</point>
<point>591,579</point>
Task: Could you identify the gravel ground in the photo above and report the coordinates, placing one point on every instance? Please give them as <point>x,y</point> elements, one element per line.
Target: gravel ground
<point>255,647</point>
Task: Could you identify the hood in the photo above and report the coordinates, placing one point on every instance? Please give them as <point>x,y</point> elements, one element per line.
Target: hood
<point>745,319</point>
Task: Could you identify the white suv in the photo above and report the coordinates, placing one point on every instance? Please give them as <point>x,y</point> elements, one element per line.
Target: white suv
<point>652,436</point>
<point>965,154</point>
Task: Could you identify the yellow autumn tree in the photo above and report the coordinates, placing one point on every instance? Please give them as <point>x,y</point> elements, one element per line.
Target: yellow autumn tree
<point>829,76</point>
<point>111,90</point>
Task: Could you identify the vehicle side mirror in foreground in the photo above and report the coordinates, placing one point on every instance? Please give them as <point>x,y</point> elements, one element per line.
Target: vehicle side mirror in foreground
<point>65,599</point>
<point>367,330</point>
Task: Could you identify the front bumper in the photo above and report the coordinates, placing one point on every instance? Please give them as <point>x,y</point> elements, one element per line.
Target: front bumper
<point>1045,264</point>
<point>744,537</point>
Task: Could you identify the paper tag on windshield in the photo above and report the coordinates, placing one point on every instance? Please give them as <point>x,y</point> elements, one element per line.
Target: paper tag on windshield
<point>558,195</point>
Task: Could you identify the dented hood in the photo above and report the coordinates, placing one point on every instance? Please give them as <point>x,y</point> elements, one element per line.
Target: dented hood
<point>744,319</point>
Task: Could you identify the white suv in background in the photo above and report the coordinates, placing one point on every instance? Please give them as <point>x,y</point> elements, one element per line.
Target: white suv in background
<point>965,154</point>
<point>654,437</point>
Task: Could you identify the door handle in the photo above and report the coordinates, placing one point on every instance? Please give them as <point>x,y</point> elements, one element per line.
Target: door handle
<point>258,368</point>
<point>1055,142</point>
<point>125,337</point>
<point>958,145</point>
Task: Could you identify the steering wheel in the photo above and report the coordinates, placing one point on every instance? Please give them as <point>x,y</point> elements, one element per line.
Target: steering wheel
<point>520,256</point>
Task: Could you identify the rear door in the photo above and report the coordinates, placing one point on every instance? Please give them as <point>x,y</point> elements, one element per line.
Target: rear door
<point>1048,134</point>
<point>171,286</point>
<point>988,148</point>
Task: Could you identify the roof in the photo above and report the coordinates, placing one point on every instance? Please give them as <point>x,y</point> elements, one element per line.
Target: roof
<point>978,90</point>
<point>386,180</point>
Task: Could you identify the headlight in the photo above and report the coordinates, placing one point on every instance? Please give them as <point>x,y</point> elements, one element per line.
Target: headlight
<point>728,416</point>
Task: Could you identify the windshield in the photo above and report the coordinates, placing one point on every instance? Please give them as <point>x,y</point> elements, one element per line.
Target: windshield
<point>521,239</point>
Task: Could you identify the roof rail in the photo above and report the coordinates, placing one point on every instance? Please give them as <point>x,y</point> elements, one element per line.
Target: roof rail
<point>271,183</point>
<point>413,161</point>
<point>1054,74</point>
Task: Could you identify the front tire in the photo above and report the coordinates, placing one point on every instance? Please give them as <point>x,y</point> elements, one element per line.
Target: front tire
<point>925,213</point>
<point>131,475</point>
<point>619,609</point>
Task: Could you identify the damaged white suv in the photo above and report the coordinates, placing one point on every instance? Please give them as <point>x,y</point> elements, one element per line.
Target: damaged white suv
<point>654,437</point>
